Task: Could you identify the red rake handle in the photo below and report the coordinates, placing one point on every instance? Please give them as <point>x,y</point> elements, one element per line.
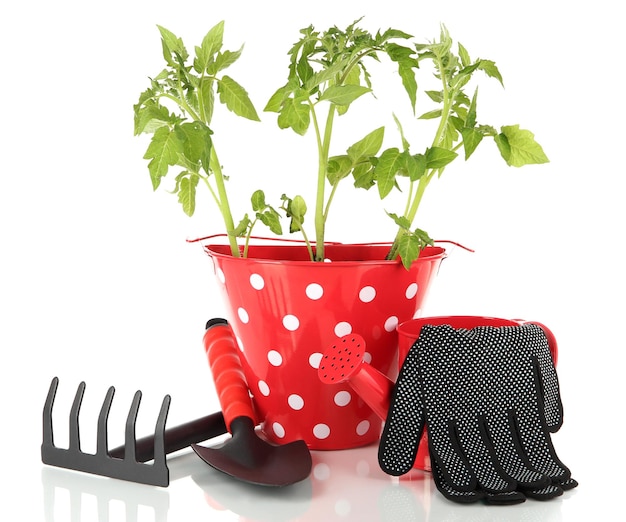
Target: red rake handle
<point>225,364</point>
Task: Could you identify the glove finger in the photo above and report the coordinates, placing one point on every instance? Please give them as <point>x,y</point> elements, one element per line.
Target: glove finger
<point>567,484</point>
<point>510,455</point>
<point>473,441</point>
<point>550,491</point>
<point>538,348</point>
<point>536,443</point>
<point>454,468</point>
<point>448,490</point>
<point>405,421</point>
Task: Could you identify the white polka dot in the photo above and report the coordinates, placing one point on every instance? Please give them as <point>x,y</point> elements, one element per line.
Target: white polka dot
<point>314,291</point>
<point>257,281</point>
<point>391,323</point>
<point>263,388</point>
<point>291,323</point>
<point>367,294</point>
<point>220,275</point>
<point>321,471</point>
<point>342,329</point>
<point>295,402</point>
<point>411,291</point>
<point>343,398</point>
<point>367,357</point>
<point>274,358</point>
<point>315,359</point>
<point>243,315</point>
<point>278,430</point>
<point>343,507</point>
<point>321,431</point>
<point>363,427</point>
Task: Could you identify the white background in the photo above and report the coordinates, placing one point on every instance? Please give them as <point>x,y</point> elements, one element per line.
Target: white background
<point>98,283</point>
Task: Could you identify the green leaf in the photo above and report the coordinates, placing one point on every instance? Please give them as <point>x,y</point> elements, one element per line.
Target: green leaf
<point>187,193</point>
<point>211,44</point>
<point>367,146</point>
<point>415,166</point>
<point>518,147</point>
<point>304,69</point>
<point>490,69</point>
<point>223,61</point>
<point>295,115</point>
<point>195,141</point>
<point>464,55</point>
<point>338,168</point>
<point>389,163</point>
<point>275,103</point>
<point>405,143</point>
<point>407,74</point>
<point>242,228</point>
<point>298,208</point>
<point>328,74</point>
<point>408,249</point>
<point>401,221</point>
<point>437,157</point>
<point>343,94</point>
<point>163,151</point>
<point>436,96</point>
<point>151,116</point>
<point>295,209</point>
<point>431,115</point>
<point>470,120</point>
<point>206,97</point>
<point>258,201</point>
<point>471,140</point>
<point>172,44</point>
<point>235,97</point>
<point>271,219</point>
<point>364,176</point>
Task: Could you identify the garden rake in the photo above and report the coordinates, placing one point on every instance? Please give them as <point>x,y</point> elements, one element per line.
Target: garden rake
<point>130,461</point>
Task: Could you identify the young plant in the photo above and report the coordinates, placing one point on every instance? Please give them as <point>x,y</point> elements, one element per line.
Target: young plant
<point>457,128</point>
<point>181,138</point>
<point>327,73</point>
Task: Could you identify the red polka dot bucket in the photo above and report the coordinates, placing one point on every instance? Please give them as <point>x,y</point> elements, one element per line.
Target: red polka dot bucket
<point>286,310</point>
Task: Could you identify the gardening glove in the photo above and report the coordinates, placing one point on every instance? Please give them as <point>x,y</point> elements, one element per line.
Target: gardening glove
<point>490,398</point>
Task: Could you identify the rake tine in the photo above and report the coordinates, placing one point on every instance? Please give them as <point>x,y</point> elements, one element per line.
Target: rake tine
<point>102,440</point>
<point>130,428</point>
<point>159,433</point>
<point>48,437</point>
<point>74,413</point>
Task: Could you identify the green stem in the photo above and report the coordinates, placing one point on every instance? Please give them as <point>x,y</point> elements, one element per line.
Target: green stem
<point>323,146</point>
<point>223,203</point>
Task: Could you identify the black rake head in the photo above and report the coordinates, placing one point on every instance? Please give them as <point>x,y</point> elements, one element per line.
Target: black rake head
<point>102,463</point>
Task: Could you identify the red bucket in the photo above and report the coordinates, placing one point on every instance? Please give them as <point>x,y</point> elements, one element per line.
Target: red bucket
<point>286,310</point>
<point>409,331</point>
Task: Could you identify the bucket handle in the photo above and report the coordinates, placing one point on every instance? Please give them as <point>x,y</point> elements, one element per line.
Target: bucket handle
<point>301,241</point>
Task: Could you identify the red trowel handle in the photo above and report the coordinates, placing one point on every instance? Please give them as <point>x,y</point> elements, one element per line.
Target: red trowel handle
<point>230,381</point>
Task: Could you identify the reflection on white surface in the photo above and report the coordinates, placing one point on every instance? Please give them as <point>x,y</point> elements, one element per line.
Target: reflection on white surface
<point>343,486</point>
<point>72,497</point>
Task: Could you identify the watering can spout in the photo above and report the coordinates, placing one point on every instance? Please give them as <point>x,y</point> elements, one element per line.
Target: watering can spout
<point>344,362</point>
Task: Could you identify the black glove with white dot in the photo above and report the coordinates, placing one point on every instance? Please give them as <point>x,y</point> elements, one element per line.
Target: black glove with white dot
<point>490,398</point>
